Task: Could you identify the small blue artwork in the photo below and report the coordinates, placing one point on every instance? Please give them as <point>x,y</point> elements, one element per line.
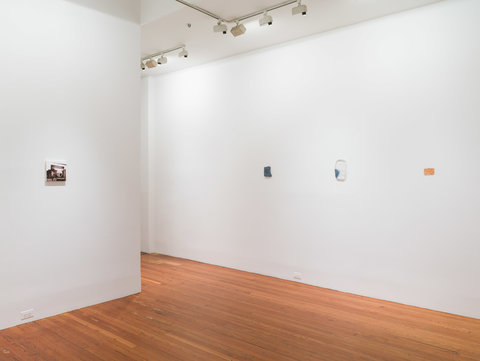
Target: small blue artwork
<point>267,172</point>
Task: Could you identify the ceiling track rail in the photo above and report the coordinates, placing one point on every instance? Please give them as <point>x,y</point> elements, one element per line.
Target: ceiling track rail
<point>240,18</point>
<point>163,52</point>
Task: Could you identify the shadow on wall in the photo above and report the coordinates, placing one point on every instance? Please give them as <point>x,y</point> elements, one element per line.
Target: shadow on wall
<point>124,9</point>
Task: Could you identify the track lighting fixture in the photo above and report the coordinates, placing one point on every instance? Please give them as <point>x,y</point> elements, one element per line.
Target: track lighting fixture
<point>162,60</point>
<point>238,29</point>
<point>183,53</point>
<point>300,9</point>
<point>220,27</point>
<point>152,60</point>
<point>142,65</point>
<point>265,19</point>
<point>151,63</point>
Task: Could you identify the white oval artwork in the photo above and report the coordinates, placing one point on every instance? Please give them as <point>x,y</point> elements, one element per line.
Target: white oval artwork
<point>341,170</point>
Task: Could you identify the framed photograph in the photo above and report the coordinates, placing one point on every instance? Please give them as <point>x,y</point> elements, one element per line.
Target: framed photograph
<point>55,171</point>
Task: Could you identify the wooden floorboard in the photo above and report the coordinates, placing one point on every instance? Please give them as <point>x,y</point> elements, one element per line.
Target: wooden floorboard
<point>193,311</point>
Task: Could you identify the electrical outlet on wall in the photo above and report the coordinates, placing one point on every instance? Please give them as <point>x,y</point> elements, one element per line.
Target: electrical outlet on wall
<point>297,275</point>
<point>27,314</point>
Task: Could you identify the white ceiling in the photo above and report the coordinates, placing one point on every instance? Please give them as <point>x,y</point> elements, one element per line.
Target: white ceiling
<point>165,25</point>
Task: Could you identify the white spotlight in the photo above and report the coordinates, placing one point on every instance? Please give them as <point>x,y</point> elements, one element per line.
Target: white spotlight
<point>220,27</point>
<point>162,60</point>
<point>183,53</point>
<point>151,63</point>
<point>300,9</point>
<point>265,19</point>
<point>238,30</point>
<point>142,65</point>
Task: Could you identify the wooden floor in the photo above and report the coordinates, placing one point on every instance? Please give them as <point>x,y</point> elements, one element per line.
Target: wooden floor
<point>193,311</point>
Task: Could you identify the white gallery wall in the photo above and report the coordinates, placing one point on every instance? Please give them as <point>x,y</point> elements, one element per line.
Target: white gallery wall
<point>392,97</point>
<point>69,90</point>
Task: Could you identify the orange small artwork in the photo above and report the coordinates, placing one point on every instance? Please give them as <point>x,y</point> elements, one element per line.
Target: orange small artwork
<point>429,171</point>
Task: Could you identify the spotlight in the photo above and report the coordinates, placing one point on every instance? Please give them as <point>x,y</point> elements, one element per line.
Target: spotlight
<point>220,27</point>
<point>265,19</point>
<point>300,9</point>
<point>183,53</point>
<point>142,65</point>
<point>151,63</point>
<point>238,30</point>
<point>162,60</point>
